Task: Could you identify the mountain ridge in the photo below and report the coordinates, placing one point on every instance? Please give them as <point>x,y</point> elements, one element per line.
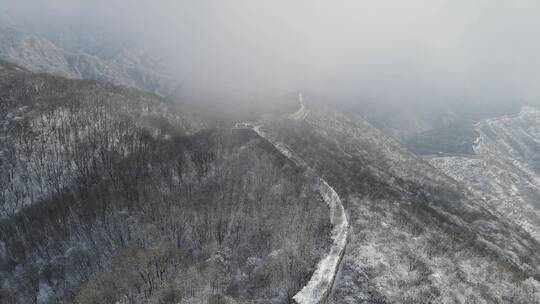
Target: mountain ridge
<point>503,170</point>
<point>125,68</point>
<point>122,197</point>
<point>411,179</point>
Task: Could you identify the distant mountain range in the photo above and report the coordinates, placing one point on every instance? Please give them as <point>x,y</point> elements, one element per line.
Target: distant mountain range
<point>125,67</point>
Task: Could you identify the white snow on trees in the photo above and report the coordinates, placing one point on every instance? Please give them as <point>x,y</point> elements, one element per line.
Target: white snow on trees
<point>319,286</point>
<point>503,172</point>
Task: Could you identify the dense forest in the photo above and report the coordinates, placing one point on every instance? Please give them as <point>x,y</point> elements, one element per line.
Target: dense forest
<point>110,195</point>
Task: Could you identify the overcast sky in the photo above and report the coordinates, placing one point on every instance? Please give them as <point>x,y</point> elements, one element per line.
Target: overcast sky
<point>388,51</point>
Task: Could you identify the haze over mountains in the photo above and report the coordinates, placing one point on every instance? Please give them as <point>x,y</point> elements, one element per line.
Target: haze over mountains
<point>122,66</point>
<point>391,57</point>
<point>204,177</point>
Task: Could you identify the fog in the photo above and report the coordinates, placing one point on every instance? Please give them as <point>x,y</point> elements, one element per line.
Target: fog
<point>394,53</point>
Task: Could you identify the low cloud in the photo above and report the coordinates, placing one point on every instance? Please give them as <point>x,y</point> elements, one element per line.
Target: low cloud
<point>387,51</point>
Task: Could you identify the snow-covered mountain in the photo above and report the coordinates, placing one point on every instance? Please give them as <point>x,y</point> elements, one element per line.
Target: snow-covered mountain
<point>416,236</point>
<point>111,195</point>
<point>505,167</point>
<point>34,53</point>
<point>126,67</point>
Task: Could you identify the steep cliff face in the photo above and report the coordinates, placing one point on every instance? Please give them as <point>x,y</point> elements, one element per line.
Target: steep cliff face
<point>416,236</point>
<point>505,168</point>
<point>125,67</point>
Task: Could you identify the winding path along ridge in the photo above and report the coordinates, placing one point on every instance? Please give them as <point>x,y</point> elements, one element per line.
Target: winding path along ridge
<point>320,285</point>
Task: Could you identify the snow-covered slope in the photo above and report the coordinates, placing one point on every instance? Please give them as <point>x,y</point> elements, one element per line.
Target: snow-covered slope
<point>505,170</point>
<point>321,282</point>
<point>111,195</point>
<point>126,67</point>
<point>416,235</point>
<point>33,53</point>
<point>320,285</point>
<point>513,140</point>
<point>42,114</point>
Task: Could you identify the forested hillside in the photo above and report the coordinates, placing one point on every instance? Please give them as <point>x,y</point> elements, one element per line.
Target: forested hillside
<point>504,167</point>
<point>109,195</point>
<point>416,235</point>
